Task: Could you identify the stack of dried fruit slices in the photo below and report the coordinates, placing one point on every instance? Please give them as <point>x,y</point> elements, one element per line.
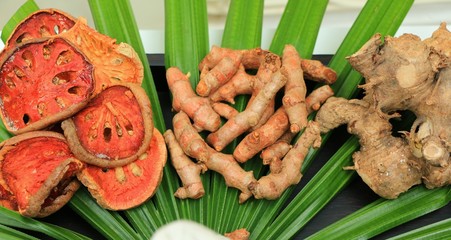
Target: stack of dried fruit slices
<point>73,100</point>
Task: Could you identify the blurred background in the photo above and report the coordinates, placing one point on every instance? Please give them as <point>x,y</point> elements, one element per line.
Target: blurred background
<point>424,17</point>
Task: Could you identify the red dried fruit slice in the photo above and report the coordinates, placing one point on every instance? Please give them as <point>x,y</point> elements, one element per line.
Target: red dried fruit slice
<point>114,62</point>
<point>42,82</point>
<point>42,23</point>
<point>7,198</point>
<point>39,170</point>
<point>113,129</point>
<point>126,187</point>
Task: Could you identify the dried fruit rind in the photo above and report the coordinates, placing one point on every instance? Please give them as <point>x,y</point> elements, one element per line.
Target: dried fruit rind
<point>126,187</point>
<point>40,182</point>
<point>114,129</point>
<point>42,81</point>
<point>52,67</point>
<point>41,23</point>
<point>114,63</point>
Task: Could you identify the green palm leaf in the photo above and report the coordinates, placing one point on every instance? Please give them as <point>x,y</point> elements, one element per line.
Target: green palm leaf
<point>435,231</point>
<point>186,43</point>
<point>8,233</point>
<point>14,219</point>
<point>186,34</point>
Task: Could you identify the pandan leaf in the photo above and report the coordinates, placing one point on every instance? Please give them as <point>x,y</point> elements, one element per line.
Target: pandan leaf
<point>186,43</point>
<point>110,224</point>
<point>8,233</point>
<point>384,214</point>
<point>434,231</point>
<point>13,219</point>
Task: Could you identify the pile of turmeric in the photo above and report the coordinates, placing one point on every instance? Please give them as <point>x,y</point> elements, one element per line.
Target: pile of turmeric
<point>277,111</point>
<point>401,73</point>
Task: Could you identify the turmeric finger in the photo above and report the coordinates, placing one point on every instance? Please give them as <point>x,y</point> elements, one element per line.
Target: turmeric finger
<point>239,234</point>
<point>249,117</point>
<point>188,171</point>
<point>262,137</point>
<point>295,89</point>
<point>317,97</point>
<point>184,99</point>
<point>210,80</point>
<point>316,71</point>
<point>273,154</point>
<point>277,150</point>
<point>224,110</point>
<point>250,58</point>
<point>241,83</point>
<point>273,185</point>
<point>194,146</point>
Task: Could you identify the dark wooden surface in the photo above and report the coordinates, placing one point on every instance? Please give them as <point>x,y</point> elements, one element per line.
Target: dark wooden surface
<point>352,198</point>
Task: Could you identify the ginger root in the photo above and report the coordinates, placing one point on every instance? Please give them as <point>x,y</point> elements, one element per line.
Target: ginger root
<point>384,162</point>
<point>401,73</point>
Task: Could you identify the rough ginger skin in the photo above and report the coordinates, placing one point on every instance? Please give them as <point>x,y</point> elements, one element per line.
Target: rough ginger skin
<point>406,73</point>
<point>385,163</point>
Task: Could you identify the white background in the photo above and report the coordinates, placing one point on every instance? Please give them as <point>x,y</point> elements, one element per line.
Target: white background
<point>424,17</point>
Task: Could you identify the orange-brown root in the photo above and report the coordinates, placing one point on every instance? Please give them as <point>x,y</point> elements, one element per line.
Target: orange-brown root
<point>276,151</point>
<point>184,99</point>
<point>262,137</point>
<point>188,171</point>
<point>316,71</point>
<point>194,146</point>
<point>249,117</point>
<point>239,234</point>
<point>273,185</point>
<point>295,89</point>
<point>211,80</point>
<point>241,83</point>
<point>317,97</point>
<point>224,110</point>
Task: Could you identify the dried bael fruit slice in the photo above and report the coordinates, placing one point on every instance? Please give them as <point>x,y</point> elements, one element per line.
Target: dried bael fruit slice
<point>41,82</point>
<point>41,181</point>
<point>42,23</point>
<point>128,186</point>
<point>113,129</point>
<point>7,198</point>
<point>114,63</point>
